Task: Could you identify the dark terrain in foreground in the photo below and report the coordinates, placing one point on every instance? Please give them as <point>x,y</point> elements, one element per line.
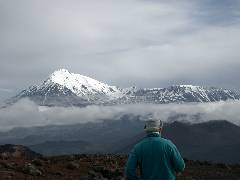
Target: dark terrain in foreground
<point>20,163</point>
<point>216,140</point>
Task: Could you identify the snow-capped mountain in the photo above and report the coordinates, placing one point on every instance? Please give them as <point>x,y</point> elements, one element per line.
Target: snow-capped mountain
<point>83,86</point>
<point>63,88</point>
<point>179,94</point>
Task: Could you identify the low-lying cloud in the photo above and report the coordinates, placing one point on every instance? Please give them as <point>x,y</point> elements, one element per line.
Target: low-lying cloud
<point>26,113</point>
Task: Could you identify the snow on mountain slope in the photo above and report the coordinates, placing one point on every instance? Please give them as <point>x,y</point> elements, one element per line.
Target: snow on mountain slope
<point>63,88</point>
<point>82,86</point>
<point>179,94</point>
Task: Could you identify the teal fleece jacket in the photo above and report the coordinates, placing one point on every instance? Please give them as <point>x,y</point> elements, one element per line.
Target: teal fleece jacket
<point>158,159</point>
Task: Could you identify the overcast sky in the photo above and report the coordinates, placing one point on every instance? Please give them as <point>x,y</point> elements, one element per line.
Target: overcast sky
<point>143,43</point>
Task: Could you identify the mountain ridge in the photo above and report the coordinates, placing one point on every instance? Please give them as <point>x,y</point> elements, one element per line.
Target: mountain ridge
<point>63,88</point>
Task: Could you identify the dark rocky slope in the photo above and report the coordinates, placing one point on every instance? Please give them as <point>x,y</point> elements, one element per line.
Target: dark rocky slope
<point>101,167</point>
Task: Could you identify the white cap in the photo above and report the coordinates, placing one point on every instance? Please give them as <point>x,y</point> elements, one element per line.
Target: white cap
<point>153,124</point>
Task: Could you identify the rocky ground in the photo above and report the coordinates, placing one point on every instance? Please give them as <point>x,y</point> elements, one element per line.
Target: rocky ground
<point>20,163</point>
<point>99,167</point>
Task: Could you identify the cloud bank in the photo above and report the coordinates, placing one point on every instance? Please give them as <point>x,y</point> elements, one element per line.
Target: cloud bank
<point>26,113</point>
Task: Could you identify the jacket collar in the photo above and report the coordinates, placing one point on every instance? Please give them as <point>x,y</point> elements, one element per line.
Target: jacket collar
<point>154,134</point>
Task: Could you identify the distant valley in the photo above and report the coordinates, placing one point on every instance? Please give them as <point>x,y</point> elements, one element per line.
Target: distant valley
<point>215,141</point>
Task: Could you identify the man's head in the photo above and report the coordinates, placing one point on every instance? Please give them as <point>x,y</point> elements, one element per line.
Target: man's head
<point>153,124</point>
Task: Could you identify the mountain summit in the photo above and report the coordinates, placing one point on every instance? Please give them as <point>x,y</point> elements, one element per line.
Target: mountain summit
<point>82,86</point>
<point>63,88</point>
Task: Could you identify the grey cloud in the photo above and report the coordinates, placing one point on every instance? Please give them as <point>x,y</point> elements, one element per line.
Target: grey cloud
<point>218,12</point>
<point>6,90</point>
<point>134,42</point>
<point>27,114</point>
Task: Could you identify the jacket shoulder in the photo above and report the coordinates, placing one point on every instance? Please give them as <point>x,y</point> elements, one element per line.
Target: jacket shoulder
<point>166,142</point>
